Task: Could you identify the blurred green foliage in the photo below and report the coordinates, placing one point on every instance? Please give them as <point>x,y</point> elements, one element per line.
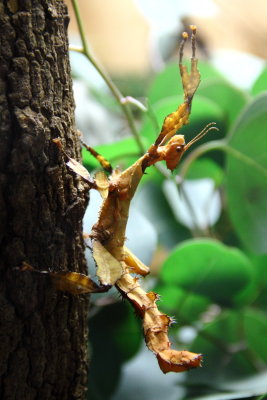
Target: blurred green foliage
<point>222,267</point>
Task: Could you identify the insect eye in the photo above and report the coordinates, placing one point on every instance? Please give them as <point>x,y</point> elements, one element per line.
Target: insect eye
<point>179,148</point>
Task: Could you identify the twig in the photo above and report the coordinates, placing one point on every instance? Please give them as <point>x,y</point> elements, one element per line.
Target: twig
<point>113,88</point>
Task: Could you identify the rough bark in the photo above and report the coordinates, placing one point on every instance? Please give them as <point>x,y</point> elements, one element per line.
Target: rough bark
<point>43,333</point>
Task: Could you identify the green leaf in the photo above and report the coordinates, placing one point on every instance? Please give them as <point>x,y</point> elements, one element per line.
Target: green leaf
<point>259,262</point>
<point>115,336</point>
<point>127,335</point>
<point>208,71</point>
<point>229,98</point>
<point>208,268</point>
<point>246,176</point>
<point>260,85</point>
<point>168,82</point>
<point>206,168</point>
<point>255,330</point>
<point>233,348</point>
<point>185,307</point>
<point>246,388</point>
<point>203,111</point>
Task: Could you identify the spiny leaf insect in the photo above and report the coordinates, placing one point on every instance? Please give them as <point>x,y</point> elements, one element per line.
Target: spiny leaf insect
<point>115,263</point>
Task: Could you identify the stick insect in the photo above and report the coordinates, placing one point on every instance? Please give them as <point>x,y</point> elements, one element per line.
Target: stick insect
<point>115,263</point>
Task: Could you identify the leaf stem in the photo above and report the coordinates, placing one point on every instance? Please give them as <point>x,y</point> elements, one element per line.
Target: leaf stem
<point>113,88</point>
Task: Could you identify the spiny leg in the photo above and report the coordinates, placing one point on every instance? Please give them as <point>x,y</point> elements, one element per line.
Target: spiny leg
<point>75,166</point>
<point>190,79</point>
<point>105,164</point>
<point>181,47</point>
<point>71,282</point>
<point>193,40</point>
<point>174,121</point>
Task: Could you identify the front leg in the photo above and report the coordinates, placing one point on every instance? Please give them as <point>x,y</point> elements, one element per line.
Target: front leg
<point>71,282</point>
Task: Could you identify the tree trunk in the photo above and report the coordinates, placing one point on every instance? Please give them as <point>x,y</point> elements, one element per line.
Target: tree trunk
<point>43,333</point>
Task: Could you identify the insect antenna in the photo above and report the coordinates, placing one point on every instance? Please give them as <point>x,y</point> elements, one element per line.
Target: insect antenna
<point>200,135</point>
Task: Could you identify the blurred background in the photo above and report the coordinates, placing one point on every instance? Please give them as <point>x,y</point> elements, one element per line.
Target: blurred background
<point>135,37</point>
<point>205,239</point>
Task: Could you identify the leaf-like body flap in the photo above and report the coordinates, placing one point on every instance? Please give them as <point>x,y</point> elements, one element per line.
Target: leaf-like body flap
<point>102,184</point>
<point>75,283</point>
<point>134,263</point>
<point>79,169</point>
<point>71,282</point>
<point>109,270</point>
<point>178,361</point>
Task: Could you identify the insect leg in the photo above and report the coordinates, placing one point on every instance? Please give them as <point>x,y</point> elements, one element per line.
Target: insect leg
<point>133,263</point>
<point>75,166</point>
<point>71,282</point>
<point>102,161</point>
<point>190,80</point>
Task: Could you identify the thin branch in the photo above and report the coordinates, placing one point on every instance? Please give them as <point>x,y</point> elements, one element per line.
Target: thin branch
<point>113,88</point>
<point>218,145</point>
<point>132,100</point>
